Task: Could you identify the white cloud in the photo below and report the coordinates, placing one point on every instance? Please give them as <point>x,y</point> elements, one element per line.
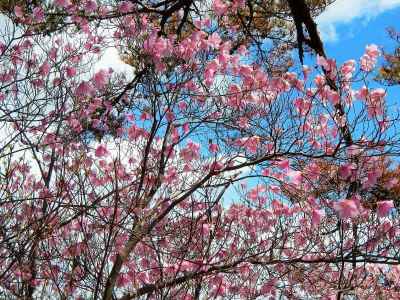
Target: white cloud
<point>111,59</point>
<point>328,32</point>
<point>345,11</point>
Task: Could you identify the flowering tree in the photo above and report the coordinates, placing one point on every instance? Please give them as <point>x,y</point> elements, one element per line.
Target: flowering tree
<point>390,72</point>
<point>209,171</point>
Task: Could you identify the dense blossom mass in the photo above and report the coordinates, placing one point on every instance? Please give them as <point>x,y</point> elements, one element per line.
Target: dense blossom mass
<point>214,166</point>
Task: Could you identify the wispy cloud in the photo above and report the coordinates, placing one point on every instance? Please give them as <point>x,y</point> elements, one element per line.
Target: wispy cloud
<point>346,11</point>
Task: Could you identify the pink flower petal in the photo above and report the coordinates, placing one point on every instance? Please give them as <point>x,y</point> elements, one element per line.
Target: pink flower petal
<point>384,208</point>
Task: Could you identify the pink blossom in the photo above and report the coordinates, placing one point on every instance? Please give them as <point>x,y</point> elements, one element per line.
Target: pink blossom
<point>130,117</point>
<point>145,116</point>
<point>372,51</point>
<point>123,280</point>
<point>101,151</point>
<point>207,22</point>
<point>223,59</point>
<point>347,208</point>
<point>205,229</point>
<point>295,177</point>
<point>280,208</point>
<point>214,40</point>
<point>38,14</point>
<point>377,95</point>
<point>302,106</point>
<point>84,89</point>
<point>44,69</point>
<point>213,148</point>
<point>19,13</point>
<point>268,287</point>
<point>209,72</point>
<point>216,166</point>
<point>190,152</point>
<point>134,132</point>
<point>198,23</point>
<point>321,61</point>
<point>219,7</point>
<point>182,105</point>
<point>243,122</point>
<point>384,208</point>
<point>256,191</point>
<point>266,172</point>
<point>70,71</point>
<point>348,67</point>
<point>171,175</point>
<point>246,71</point>
<point>125,7</point>
<point>317,215</point>
<point>170,116</point>
<point>3,47</point>
<point>75,125</point>
<point>63,3</point>
<point>53,53</point>
<point>383,125</point>
<point>186,128</point>
<point>275,189</point>
<point>100,79</point>
<point>369,59</point>
<point>371,178</point>
<point>328,64</point>
<point>242,50</point>
<point>283,164</point>
<point>103,10</point>
<point>157,46</point>
<point>38,83</point>
<point>333,97</point>
<point>90,6</point>
<point>319,81</point>
<point>346,170</point>
<point>362,93</point>
<point>250,143</point>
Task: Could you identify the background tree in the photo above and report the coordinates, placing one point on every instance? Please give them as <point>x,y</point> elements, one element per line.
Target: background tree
<point>390,71</point>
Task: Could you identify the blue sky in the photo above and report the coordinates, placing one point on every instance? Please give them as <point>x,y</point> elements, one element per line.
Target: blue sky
<point>348,25</point>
